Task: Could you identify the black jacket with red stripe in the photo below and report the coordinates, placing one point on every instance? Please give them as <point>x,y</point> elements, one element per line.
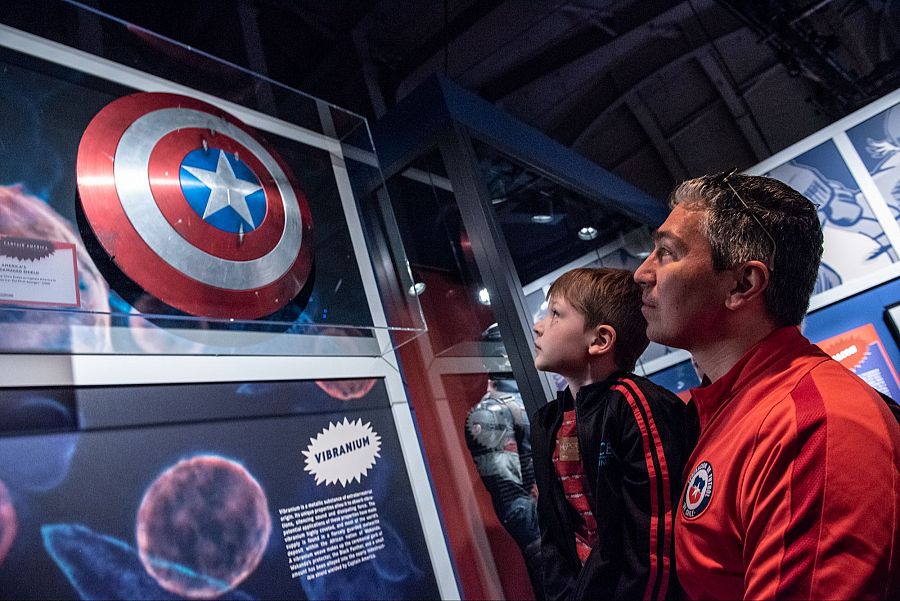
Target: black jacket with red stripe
<point>635,439</point>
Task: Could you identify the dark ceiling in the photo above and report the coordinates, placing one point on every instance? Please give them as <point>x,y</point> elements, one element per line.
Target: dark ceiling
<point>654,91</point>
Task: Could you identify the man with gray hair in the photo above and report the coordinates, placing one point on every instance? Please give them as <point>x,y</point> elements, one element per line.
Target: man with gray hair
<point>793,490</point>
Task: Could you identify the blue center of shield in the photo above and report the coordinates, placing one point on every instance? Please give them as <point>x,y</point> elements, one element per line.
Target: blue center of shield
<point>222,190</point>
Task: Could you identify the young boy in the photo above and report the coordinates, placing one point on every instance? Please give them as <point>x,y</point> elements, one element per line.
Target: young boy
<point>609,452</point>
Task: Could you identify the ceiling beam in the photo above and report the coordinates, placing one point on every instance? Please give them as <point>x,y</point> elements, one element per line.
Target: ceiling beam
<point>734,100</point>
<point>660,142</point>
<point>461,22</point>
<point>596,34</point>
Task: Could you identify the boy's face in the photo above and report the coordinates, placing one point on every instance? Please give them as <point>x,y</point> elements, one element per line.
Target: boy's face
<point>561,342</point>
<point>684,297</point>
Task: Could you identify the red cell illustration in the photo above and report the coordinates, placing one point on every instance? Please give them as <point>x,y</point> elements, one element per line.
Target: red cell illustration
<point>8,522</point>
<point>203,526</point>
<point>346,390</point>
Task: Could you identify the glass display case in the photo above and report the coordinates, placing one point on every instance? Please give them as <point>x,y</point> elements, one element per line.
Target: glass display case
<point>490,212</point>
<point>201,294</point>
<point>154,199</point>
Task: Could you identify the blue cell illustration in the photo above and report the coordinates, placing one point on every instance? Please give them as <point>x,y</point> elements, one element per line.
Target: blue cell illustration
<point>102,567</point>
<point>37,464</point>
<point>392,574</point>
<point>395,564</point>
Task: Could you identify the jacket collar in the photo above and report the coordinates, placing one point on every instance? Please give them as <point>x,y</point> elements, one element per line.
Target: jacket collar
<point>566,401</point>
<point>778,348</point>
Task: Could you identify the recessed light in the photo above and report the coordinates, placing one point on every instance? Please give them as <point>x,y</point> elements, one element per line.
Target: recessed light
<point>483,297</point>
<point>542,218</point>
<point>417,289</point>
<point>588,233</point>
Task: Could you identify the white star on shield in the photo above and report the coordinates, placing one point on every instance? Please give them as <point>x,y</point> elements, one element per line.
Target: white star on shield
<point>226,190</point>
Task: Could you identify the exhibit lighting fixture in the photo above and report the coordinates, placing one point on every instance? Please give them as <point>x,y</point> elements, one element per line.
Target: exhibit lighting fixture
<point>637,243</point>
<point>588,233</point>
<point>542,205</point>
<point>417,289</point>
<point>483,297</point>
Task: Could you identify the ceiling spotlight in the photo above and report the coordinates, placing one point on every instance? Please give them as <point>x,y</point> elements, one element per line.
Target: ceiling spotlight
<point>588,233</point>
<point>542,206</point>
<point>638,243</point>
<point>483,297</point>
<point>417,289</point>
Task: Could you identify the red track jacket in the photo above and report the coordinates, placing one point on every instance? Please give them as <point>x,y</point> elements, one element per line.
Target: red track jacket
<point>793,490</point>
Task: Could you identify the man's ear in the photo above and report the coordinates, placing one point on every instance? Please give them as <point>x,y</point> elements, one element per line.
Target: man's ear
<point>604,339</point>
<point>750,281</point>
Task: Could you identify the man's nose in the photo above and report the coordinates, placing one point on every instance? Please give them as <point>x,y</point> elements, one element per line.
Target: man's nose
<point>643,275</point>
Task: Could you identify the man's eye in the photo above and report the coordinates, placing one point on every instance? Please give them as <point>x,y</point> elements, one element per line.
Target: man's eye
<point>662,251</point>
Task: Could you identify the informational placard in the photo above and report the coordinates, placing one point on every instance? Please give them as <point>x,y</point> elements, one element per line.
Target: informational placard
<point>42,272</point>
<point>861,351</point>
<point>257,490</point>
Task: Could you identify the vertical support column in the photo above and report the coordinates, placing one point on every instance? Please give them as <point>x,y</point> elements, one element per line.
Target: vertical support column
<point>90,34</point>
<point>256,58</point>
<point>494,263</point>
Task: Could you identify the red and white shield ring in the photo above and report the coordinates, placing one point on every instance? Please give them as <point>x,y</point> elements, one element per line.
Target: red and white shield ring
<point>194,206</point>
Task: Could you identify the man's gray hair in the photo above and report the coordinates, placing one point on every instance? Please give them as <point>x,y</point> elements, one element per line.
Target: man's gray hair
<point>749,217</point>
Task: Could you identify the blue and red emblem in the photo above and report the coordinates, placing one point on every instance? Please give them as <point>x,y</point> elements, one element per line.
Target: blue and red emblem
<point>194,206</point>
<point>698,491</point>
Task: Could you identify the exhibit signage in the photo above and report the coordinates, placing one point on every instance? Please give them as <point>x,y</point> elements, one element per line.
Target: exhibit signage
<point>41,272</point>
<point>861,351</point>
<point>258,490</point>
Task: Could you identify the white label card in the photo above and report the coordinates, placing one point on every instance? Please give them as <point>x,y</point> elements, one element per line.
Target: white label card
<point>43,278</point>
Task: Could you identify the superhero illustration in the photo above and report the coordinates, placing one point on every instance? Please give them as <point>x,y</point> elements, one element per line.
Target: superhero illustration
<point>877,141</point>
<point>855,243</point>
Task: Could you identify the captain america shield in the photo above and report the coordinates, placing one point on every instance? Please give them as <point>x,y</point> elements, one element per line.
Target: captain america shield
<point>194,206</point>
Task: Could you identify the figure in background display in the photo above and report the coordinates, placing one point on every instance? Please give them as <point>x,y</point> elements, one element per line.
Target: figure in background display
<point>498,436</point>
<point>793,490</point>
<point>609,451</point>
